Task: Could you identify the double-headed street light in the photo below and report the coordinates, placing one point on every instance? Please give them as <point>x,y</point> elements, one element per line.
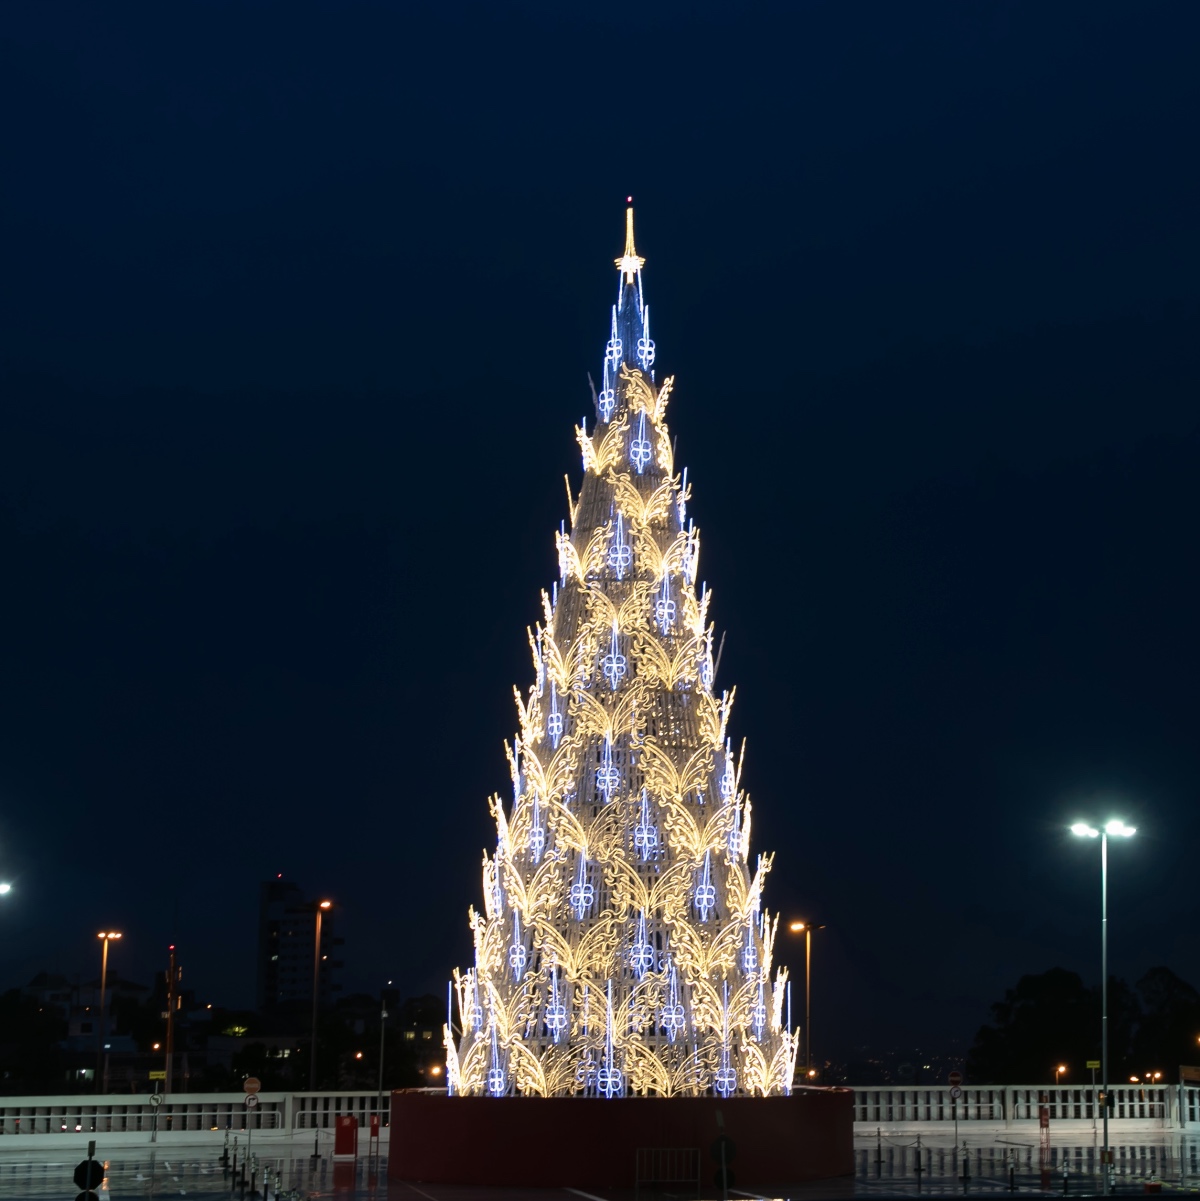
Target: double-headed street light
<point>807,928</point>
<point>1114,829</point>
<point>105,936</point>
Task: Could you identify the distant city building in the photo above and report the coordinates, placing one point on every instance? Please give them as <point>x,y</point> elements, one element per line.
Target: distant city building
<point>286,935</point>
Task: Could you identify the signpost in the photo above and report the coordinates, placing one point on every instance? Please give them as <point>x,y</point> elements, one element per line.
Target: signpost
<point>1093,1064</point>
<point>250,1086</point>
<point>155,1100</point>
<point>89,1174</point>
<point>955,1082</point>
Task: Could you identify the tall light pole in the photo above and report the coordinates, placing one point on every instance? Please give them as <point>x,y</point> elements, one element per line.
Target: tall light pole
<point>383,1013</point>
<point>322,906</point>
<point>105,937</point>
<point>172,1003</point>
<point>1117,829</point>
<point>806,928</point>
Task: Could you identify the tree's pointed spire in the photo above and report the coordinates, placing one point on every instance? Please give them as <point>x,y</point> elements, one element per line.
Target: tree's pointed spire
<point>629,343</point>
<point>630,262</point>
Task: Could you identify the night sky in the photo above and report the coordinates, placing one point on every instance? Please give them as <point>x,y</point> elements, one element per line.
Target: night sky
<point>299,302</point>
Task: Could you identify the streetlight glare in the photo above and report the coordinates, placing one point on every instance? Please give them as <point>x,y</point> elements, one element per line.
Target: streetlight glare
<point>326,904</point>
<point>5,889</point>
<point>1120,829</point>
<point>1083,830</point>
<point>796,927</point>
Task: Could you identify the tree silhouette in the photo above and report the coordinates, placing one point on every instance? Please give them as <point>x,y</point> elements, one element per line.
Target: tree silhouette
<point>1167,1034</point>
<point>1051,1019</point>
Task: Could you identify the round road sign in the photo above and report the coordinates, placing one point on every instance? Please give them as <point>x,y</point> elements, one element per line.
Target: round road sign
<point>156,1098</point>
<point>955,1093</point>
<point>88,1174</point>
<point>251,1085</point>
<point>251,1102</point>
<point>954,1079</point>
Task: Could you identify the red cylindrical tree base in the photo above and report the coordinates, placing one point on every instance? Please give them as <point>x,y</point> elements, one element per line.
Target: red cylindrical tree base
<point>581,1141</point>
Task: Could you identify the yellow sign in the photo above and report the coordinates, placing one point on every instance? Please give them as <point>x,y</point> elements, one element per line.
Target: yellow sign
<point>158,1075</point>
<point>1093,1063</point>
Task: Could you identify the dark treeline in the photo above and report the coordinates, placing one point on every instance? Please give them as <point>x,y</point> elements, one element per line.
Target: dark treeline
<point>1052,1019</point>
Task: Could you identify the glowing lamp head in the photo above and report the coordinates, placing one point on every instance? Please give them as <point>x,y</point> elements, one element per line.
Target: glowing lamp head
<point>1118,829</point>
<point>1083,830</point>
<point>797,927</point>
<point>107,934</point>
<point>5,889</point>
<point>324,904</point>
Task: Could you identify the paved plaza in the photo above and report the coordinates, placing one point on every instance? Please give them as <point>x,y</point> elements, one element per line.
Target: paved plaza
<point>885,1166</point>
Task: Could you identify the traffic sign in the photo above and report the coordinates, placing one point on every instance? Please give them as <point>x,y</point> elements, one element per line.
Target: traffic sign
<point>156,1099</point>
<point>954,1079</point>
<point>159,1075</point>
<point>251,1101</point>
<point>251,1084</point>
<point>955,1092</point>
<point>88,1174</point>
<point>1093,1063</point>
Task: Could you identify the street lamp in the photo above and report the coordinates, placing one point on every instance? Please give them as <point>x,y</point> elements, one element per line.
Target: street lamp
<point>105,937</point>
<point>383,1016</point>
<point>1116,829</point>
<point>1058,1071</point>
<point>5,888</point>
<point>806,928</point>
<point>322,906</point>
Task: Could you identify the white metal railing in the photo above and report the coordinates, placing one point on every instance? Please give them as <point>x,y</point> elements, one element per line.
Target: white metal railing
<point>1164,1106</point>
<point>187,1112</point>
<point>1167,1105</point>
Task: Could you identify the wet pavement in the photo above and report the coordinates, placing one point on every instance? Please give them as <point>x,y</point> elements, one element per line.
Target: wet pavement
<point>885,1166</point>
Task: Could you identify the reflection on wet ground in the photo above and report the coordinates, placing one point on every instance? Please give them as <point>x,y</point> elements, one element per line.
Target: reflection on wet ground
<point>885,1166</point>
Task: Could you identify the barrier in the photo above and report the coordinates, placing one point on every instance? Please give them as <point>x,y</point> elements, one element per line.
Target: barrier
<point>196,1117</point>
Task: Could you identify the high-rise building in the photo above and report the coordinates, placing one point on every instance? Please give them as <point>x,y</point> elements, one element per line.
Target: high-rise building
<point>287,931</point>
<point>623,947</point>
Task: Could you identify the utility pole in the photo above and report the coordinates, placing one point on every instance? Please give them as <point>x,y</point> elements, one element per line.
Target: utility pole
<point>172,1004</point>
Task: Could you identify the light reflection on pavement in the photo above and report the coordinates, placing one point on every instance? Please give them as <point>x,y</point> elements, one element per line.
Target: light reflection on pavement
<point>885,1166</point>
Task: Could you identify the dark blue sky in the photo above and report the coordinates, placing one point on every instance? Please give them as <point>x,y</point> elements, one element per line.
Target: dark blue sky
<point>298,305</point>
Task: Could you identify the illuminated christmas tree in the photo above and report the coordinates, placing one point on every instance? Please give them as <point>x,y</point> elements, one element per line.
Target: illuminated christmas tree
<point>623,948</point>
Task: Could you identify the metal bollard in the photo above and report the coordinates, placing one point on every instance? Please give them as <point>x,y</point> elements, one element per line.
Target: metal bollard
<point>966,1167</point>
<point>1012,1173</point>
<point>225,1150</point>
<point>1066,1174</point>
